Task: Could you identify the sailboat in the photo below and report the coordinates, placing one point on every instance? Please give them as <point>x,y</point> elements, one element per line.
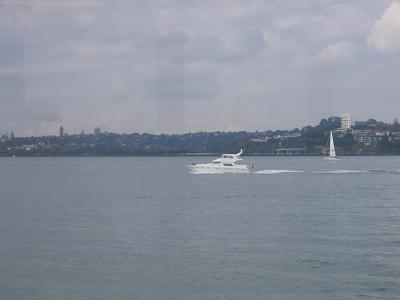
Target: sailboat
<point>332,152</point>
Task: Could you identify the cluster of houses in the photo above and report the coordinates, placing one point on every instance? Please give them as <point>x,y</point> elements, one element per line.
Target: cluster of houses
<point>367,132</point>
<point>370,137</point>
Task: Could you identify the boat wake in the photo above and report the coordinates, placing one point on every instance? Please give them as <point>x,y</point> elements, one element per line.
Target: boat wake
<point>274,171</point>
<point>384,171</point>
<point>340,172</point>
<point>269,172</point>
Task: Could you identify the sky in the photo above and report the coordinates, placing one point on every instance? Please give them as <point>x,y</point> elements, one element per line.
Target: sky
<point>173,66</point>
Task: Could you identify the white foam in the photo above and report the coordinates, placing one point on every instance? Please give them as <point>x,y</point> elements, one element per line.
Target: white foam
<point>267,172</point>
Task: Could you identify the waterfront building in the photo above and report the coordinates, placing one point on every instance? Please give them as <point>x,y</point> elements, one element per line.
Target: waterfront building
<point>290,151</point>
<point>61,131</point>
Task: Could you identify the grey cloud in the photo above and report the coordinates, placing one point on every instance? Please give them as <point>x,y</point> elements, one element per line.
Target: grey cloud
<point>178,45</point>
<point>161,65</point>
<point>12,52</point>
<point>176,82</point>
<point>175,37</point>
<point>49,116</point>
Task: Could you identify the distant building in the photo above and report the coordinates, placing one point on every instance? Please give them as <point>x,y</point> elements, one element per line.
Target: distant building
<point>394,136</point>
<point>61,131</point>
<point>97,131</point>
<point>368,137</point>
<point>288,136</point>
<point>290,151</point>
<point>12,136</point>
<point>260,140</point>
<point>346,121</point>
<point>4,137</point>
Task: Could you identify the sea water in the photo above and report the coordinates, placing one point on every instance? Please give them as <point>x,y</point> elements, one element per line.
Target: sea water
<point>145,228</point>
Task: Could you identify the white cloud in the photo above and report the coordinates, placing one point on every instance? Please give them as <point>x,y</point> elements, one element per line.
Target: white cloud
<point>385,33</point>
<point>336,52</point>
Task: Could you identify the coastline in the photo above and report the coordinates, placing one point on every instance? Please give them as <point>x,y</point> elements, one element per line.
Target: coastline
<point>192,155</point>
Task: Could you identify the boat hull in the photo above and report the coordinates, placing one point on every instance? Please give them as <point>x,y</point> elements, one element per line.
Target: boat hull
<point>330,158</point>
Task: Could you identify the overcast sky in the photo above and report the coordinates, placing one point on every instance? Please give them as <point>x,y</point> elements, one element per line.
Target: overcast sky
<point>195,65</point>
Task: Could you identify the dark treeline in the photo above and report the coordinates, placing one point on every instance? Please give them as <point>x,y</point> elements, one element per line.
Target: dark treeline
<point>310,140</point>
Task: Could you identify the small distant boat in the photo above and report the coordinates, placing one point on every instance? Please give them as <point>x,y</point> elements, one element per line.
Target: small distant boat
<point>227,163</point>
<point>332,152</point>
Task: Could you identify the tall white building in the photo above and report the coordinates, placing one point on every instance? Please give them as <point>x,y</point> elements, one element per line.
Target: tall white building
<point>346,121</point>
<point>97,131</point>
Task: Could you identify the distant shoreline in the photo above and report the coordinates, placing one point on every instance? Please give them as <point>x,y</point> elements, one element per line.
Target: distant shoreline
<point>189,155</point>
<point>383,139</point>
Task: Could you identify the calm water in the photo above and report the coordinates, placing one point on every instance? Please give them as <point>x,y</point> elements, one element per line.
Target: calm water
<point>144,228</point>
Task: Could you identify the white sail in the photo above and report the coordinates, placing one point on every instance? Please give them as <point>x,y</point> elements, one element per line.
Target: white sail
<point>332,152</point>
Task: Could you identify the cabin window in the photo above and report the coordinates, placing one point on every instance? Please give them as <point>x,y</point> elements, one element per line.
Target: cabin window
<point>228,165</point>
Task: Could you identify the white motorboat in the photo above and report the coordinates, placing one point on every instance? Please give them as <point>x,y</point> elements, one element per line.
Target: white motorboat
<point>227,163</point>
<point>332,151</point>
